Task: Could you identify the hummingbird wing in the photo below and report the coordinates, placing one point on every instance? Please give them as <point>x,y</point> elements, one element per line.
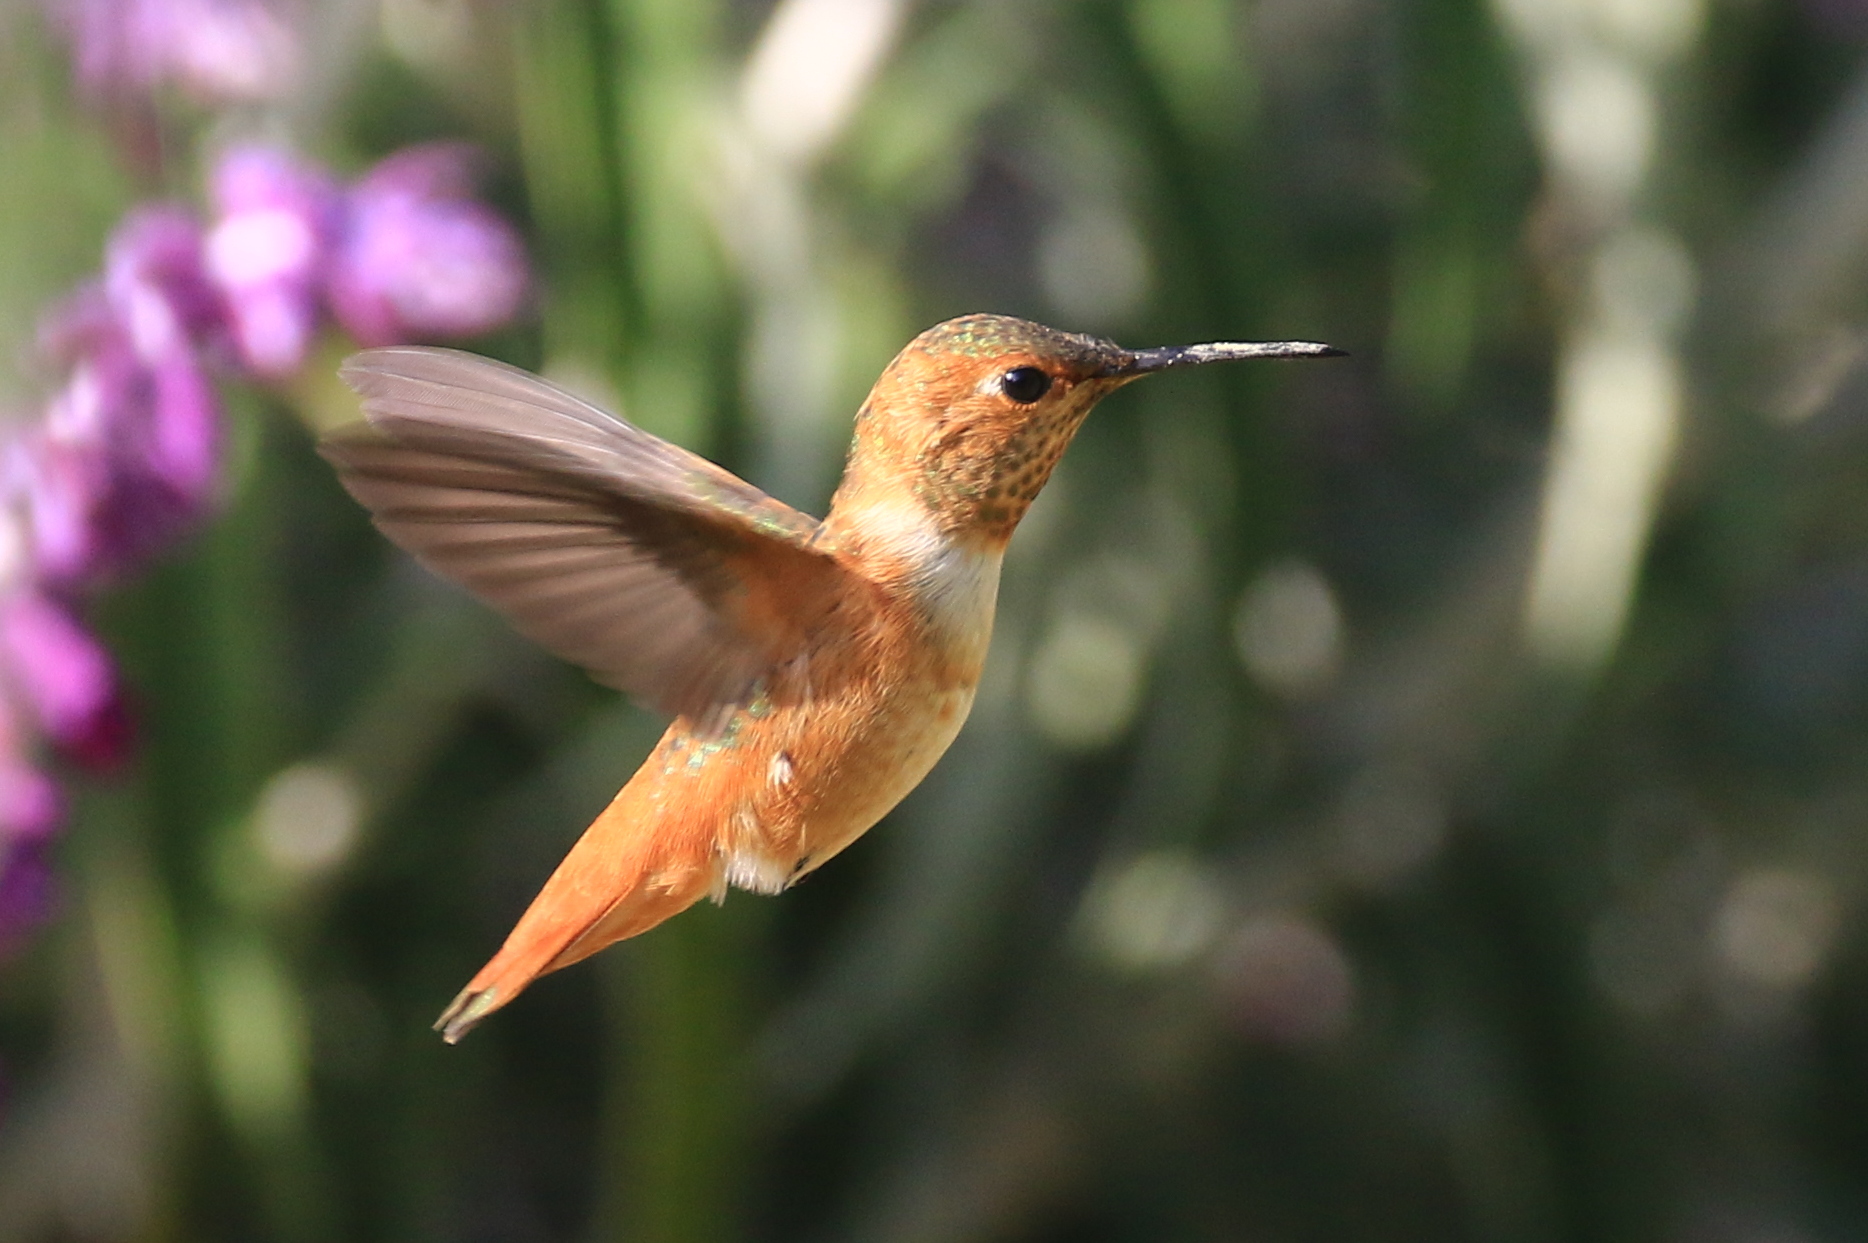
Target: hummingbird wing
<point>660,573</point>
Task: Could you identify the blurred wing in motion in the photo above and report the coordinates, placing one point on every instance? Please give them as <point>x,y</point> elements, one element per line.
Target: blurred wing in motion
<point>660,573</point>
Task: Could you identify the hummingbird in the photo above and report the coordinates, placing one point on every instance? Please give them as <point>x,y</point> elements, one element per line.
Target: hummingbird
<point>815,670</point>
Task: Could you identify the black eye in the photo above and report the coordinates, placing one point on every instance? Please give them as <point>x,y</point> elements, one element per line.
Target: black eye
<point>1024,385</point>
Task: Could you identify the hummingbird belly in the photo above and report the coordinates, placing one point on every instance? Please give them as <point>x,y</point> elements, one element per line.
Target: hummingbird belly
<point>849,757</point>
<point>808,781</point>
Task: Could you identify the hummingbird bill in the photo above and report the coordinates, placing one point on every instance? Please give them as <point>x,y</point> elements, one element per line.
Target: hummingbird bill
<point>815,670</point>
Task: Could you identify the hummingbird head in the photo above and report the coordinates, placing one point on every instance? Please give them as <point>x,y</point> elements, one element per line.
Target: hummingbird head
<point>973,414</point>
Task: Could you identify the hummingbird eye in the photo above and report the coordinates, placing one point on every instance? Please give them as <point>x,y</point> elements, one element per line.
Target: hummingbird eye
<point>1024,385</point>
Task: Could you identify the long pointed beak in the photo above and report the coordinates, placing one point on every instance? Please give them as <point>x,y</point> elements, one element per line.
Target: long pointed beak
<point>1142,362</point>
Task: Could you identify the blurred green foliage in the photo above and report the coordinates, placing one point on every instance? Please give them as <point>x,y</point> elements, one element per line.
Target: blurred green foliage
<point>1291,881</point>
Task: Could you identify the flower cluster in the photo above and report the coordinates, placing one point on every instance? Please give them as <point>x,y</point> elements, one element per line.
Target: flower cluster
<point>214,50</point>
<point>124,458</point>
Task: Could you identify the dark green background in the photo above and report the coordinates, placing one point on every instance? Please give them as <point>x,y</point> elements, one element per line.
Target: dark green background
<point>1117,972</point>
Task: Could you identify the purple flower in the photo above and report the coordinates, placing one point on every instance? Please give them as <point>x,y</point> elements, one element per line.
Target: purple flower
<point>179,444</point>
<point>213,49</point>
<point>156,282</point>
<point>62,488</point>
<point>64,676</point>
<point>126,456</point>
<point>267,252</point>
<point>427,170</point>
<point>124,462</point>
<point>419,258</point>
<point>169,426</point>
<point>30,810</point>
<point>30,806</point>
<point>27,892</point>
<point>128,452</point>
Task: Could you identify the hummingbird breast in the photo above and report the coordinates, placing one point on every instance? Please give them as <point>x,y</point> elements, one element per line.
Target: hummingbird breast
<point>887,696</point>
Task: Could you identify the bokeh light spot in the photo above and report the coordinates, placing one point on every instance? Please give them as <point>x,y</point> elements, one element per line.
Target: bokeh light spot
<point>307,818</point>
<point>1289,630</point>
<point>1155,911</point>
<point>1775,926</point>
<point>1085,681</point>
<point>1285,980</point>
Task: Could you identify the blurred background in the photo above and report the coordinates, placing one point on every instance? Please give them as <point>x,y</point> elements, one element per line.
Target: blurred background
<point>1419,796</point>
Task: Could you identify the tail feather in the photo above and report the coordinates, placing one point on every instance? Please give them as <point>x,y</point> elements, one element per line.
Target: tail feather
<point>466,1011</point>
<point>626,874</point>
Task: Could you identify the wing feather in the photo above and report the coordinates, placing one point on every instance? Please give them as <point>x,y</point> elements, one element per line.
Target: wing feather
<point>608,546</point>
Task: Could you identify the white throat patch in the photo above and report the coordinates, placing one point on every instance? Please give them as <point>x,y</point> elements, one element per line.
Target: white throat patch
<point>957,585</point>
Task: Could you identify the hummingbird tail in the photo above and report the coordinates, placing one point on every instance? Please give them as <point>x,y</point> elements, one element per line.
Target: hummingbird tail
<point>625,875</point>
<point>466,1010</point>
<point>528,954</point>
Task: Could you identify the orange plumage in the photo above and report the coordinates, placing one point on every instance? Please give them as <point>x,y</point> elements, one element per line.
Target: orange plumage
<point>816,671</point>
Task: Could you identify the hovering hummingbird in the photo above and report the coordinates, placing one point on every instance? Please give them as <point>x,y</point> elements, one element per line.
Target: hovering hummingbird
<point>815,670</point>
